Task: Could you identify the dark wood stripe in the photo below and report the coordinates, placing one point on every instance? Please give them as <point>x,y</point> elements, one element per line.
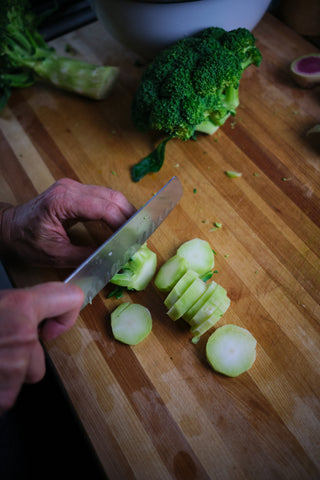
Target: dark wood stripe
<point>276,171</point>
<point>304,273</point>
<point>14,174</point>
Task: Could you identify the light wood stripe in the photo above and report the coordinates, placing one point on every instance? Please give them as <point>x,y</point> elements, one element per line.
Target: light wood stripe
<point>29,159</point>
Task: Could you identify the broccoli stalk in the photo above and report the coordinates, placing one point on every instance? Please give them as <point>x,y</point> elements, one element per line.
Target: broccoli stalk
<point>138,271</point>
<point>190,87</point>
<point>26,58</point>
<point>218,117</point>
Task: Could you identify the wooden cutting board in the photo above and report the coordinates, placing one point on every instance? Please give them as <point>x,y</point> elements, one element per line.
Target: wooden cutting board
<point>156,410</point>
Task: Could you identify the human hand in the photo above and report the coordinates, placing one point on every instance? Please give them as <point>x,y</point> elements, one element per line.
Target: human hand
<point>36,230</point>
<point>45,310</point>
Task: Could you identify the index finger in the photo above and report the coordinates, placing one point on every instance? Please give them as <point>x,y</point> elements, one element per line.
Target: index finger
<point>94,202</point>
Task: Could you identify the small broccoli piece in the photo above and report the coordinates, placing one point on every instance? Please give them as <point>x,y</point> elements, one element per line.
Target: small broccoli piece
<point>26,58</point>
<point>190,87</point>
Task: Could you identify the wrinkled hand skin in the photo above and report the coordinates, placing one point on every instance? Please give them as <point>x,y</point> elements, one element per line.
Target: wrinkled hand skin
<point>35,231</point>
<point>22,315</point>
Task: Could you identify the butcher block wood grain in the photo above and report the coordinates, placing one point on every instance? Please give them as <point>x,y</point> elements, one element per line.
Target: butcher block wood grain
<point>156,410</point>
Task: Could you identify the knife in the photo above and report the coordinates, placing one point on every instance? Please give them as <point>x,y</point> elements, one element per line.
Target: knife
<point>98,269</point>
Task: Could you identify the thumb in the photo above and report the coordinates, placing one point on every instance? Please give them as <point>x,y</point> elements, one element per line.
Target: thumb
<point>58,304</point>
<point>53,299</point>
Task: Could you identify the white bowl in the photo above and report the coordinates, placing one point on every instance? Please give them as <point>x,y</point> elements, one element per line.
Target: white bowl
<point>147,26</point>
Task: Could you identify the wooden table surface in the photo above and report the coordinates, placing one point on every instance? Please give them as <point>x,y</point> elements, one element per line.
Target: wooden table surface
<point>156,410</point>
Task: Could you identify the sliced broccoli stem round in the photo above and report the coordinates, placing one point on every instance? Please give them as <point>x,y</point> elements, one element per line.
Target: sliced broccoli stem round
<point>131,323</point>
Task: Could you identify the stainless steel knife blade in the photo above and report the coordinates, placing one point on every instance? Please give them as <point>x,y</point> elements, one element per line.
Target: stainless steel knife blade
<point>98,269</point>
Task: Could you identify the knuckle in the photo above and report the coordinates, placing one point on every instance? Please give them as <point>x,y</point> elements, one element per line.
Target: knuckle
<point>116,196</point>
<point>113,211</point>
<point>65,182</point>
<point>58,189</point>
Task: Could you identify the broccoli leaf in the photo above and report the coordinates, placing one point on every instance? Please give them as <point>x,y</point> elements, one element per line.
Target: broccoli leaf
<point>151,163</point>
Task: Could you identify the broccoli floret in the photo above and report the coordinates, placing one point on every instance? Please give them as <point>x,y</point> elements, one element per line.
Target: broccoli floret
<point>242,42</point>
<point>26,58</point>
<point>192,86</point>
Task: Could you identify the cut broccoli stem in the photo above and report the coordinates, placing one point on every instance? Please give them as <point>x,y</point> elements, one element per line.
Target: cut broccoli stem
<point>151,163</point>
<point>170,272</point>
<point>26,58</point>
<point>210,320</point>
<point>231,350</point>
<point>138,271</point>
<point>210,288</point>
<point>131,323</point>
<point>203,327</point>
<point>198,255</point>
<point>74,75</point>
<point>180,287</point>
<point>195,255</point>
<point>217,299</point>
<point>187,299</point>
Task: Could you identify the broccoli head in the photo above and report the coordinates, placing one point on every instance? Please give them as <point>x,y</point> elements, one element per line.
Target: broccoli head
<point>192,86</point>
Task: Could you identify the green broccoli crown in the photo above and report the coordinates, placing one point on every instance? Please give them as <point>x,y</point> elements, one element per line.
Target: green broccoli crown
<point>195,79</point>
<point>242,42</point>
